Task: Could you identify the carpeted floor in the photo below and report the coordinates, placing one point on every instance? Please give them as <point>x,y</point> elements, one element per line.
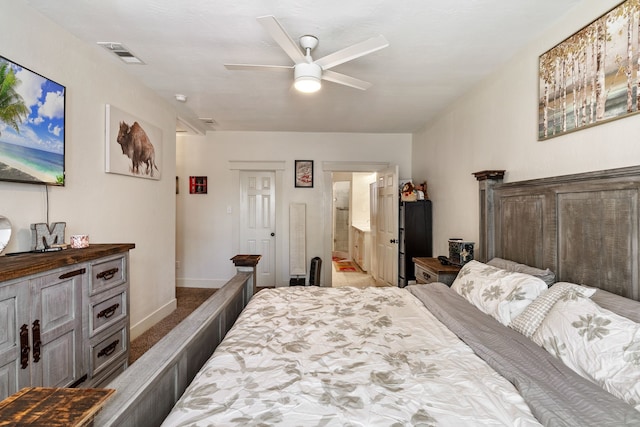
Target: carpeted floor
<point>188,299</point>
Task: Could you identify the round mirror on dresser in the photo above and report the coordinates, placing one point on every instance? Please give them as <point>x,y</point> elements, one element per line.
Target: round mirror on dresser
<point>5,232</point>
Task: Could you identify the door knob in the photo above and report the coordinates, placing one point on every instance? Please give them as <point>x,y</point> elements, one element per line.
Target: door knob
<point>273,234</point>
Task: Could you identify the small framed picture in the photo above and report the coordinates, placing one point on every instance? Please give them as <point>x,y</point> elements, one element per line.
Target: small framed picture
<point>197,185</point>
<point>304,173</point>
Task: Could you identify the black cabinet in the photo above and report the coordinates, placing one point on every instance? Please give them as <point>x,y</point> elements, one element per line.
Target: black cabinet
<point>415,237</point>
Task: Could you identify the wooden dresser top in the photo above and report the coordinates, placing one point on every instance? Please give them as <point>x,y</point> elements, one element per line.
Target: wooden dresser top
<point>26,264</point>
<point>53,407</point>
<point>434,265</point>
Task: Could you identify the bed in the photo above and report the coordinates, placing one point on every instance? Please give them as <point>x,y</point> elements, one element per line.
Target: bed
<point>422,355</point>
<point>380,357</point>
<point>344,356</point>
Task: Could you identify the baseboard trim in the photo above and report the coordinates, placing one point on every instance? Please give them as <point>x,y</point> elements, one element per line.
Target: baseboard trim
<point>200,283</point>
<point>146,323</point>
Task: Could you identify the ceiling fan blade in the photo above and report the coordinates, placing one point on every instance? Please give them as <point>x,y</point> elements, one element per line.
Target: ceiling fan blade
<point>278,33</point>
<point>352,52</point>
<point>343,79</point>
<point>258,67</point>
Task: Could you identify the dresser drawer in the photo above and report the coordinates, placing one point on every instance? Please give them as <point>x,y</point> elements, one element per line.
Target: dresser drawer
<point>107,375</point>
<point>107,274</point>
<point>107,311</point>
<point>107,350</point>
<point>424,275</point>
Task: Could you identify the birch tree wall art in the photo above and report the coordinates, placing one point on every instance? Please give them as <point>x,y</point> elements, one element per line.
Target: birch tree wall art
<point>593,76</point>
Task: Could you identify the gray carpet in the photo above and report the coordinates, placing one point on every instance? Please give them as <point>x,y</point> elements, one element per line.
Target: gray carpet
<point>188,299</point>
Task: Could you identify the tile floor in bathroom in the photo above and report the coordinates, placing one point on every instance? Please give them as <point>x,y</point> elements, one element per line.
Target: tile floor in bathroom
<point>357,279</point>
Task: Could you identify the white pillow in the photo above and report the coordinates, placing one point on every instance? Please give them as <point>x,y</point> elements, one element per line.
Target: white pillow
<point>596,343</point>
<point>532,316</point>
<point>498,293</point>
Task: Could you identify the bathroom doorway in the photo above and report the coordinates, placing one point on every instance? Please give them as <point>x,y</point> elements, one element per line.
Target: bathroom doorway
<point>341,193</point>
<point>352,247</point>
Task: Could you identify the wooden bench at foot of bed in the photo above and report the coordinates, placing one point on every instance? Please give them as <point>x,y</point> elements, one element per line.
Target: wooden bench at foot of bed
<point>148,389</point>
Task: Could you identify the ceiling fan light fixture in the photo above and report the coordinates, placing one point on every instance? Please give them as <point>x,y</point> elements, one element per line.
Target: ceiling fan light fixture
<point>307,84</point>
<point>309,73</point>
<point>307,77</point>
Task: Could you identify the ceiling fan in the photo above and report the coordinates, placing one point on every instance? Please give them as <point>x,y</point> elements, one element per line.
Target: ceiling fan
<point>309,72</point>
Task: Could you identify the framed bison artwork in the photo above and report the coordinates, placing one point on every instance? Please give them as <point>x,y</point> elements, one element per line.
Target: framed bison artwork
<point>133,147</point>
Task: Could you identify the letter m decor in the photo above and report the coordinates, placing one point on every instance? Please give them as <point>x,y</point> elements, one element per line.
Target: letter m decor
<point>43,236</point>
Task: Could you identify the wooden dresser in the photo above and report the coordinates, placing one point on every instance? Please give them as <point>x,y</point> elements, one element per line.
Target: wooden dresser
<point>64,317</point>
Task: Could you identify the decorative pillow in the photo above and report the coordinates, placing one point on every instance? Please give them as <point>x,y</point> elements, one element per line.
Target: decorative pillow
<point>498,293</point>
<point>547,275</point>
<point>596,343</point>
<point>529,320</point>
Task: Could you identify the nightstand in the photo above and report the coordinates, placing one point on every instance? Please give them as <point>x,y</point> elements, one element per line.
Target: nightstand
<point>430,270</point>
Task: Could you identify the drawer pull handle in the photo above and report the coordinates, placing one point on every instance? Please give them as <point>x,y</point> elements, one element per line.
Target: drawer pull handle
<point>37,342</point>
<point>73,273</point>
<point>109,311</point>
<point>108,350</point>
<point>24,346</point>
<point>426,276</point>
<point>107,274</point>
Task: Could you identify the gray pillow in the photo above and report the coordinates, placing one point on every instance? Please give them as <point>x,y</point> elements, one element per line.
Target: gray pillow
<point>547,275</point>
<point>620,305</point>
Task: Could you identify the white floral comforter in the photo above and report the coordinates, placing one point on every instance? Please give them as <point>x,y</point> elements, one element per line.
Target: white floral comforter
<point>308,356</point>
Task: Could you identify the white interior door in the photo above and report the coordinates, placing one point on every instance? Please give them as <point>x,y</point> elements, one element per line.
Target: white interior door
<point>373,217</point>
<point>387,226</point>
<point>258,221</point>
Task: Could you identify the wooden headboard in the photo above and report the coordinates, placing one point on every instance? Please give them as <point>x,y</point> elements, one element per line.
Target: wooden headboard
<point>584,227</point>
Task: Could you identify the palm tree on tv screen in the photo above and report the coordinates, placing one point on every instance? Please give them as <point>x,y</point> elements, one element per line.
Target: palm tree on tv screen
<point>12,108</point>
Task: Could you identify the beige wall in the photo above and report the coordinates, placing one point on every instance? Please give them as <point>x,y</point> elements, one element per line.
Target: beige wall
<point>492,127</point>
<point>208,235</point>
<point>110,208</point>
<point>495,127</point>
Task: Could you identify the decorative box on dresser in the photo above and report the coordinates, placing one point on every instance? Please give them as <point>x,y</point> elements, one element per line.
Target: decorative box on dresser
<point>430,270</point>
<point>64,317</point>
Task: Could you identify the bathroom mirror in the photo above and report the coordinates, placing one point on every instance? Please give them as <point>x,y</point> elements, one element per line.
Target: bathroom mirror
<point>5,232</point>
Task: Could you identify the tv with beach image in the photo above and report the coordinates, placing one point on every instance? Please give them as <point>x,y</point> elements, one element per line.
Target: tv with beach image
<point>32,109</point>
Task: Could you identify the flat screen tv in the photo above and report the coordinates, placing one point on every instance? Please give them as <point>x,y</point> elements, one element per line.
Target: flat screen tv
<point>32,118</point>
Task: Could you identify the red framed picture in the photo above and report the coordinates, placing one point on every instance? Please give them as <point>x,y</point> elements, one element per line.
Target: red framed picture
<point>197,185</point>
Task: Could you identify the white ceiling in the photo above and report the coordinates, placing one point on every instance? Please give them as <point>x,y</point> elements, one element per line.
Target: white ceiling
<point>437,51</point>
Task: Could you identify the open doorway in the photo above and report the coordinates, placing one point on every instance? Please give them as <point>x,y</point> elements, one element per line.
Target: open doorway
<point>352,246</point>
<point>341,219</point>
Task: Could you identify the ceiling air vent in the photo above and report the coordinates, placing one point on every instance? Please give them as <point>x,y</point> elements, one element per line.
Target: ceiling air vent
<point>121,52</point>
<point>208,121</point>
<point>184,127</point>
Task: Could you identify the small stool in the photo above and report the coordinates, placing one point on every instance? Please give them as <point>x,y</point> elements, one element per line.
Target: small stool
<point>244,262</point>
